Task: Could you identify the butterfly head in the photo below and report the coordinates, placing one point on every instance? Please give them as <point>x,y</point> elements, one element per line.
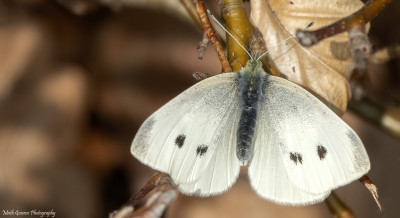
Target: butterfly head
<point>254,65</point>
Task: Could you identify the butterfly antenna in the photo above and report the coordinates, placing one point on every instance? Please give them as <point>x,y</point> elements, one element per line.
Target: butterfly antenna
<point>308,26</point>
<point>275,46</point>
<point>216,20</point>
<point>236,60</point>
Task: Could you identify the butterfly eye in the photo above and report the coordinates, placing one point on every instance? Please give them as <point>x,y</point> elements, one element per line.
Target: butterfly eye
<point>180,140</point>
<point>296,157</point>
<point>321,150</point>
<point>201,150</point>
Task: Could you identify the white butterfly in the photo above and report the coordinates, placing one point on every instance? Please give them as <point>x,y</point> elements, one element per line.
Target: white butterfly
<point>296,148</point>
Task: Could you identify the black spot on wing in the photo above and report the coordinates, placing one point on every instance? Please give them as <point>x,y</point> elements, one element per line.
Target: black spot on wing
<point>321,150</point>
<point>180,140</point>
<point>201,150</point>
<point>296,158</point>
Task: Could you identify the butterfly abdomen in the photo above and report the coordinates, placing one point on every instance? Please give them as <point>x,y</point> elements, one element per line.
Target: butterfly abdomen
<point>249,95</point>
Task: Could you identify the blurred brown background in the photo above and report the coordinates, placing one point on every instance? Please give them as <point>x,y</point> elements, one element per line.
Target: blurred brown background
<point>77,78</point>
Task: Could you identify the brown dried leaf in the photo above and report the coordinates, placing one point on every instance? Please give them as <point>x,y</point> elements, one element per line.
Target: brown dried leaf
<point>324,68</point>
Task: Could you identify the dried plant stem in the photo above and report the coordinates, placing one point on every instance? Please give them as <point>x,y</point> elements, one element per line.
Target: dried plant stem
<point>387,119</point>
<point>371,188</point>
<point>210,34</point>
<point>238,24</point>
<point>191,9</point>
<point>337,207</point>
<point>360,48</point>
<point>355,20</point>
<point>257,44</point>
<point>157,180</point>
<point>164,193</point>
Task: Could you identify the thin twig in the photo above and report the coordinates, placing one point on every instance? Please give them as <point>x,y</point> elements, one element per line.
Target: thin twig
<point>210,33</point>
<point>360,48</point>
<point>258,45</point>
<point>337,207</point>
<point>387,119</point>
<point>371,188</point>
<point>162,196</point>
<point>157,180</point>
<point>355,20</point>
<point>191,9</point>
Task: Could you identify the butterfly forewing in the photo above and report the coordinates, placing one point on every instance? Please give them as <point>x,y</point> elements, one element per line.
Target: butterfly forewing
<point>319,151</point>
<point>182,137</point>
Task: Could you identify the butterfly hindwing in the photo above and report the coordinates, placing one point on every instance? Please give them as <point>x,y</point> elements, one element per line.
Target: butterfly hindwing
<point>267,172</point>
<point>184,136</point>
<point>319,151</point>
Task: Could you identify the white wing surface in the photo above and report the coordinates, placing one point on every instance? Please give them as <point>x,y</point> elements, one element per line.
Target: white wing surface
<point>223,168</point>
<point>267,172</point>
<point>318,150</point>
<point>193,137</point>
